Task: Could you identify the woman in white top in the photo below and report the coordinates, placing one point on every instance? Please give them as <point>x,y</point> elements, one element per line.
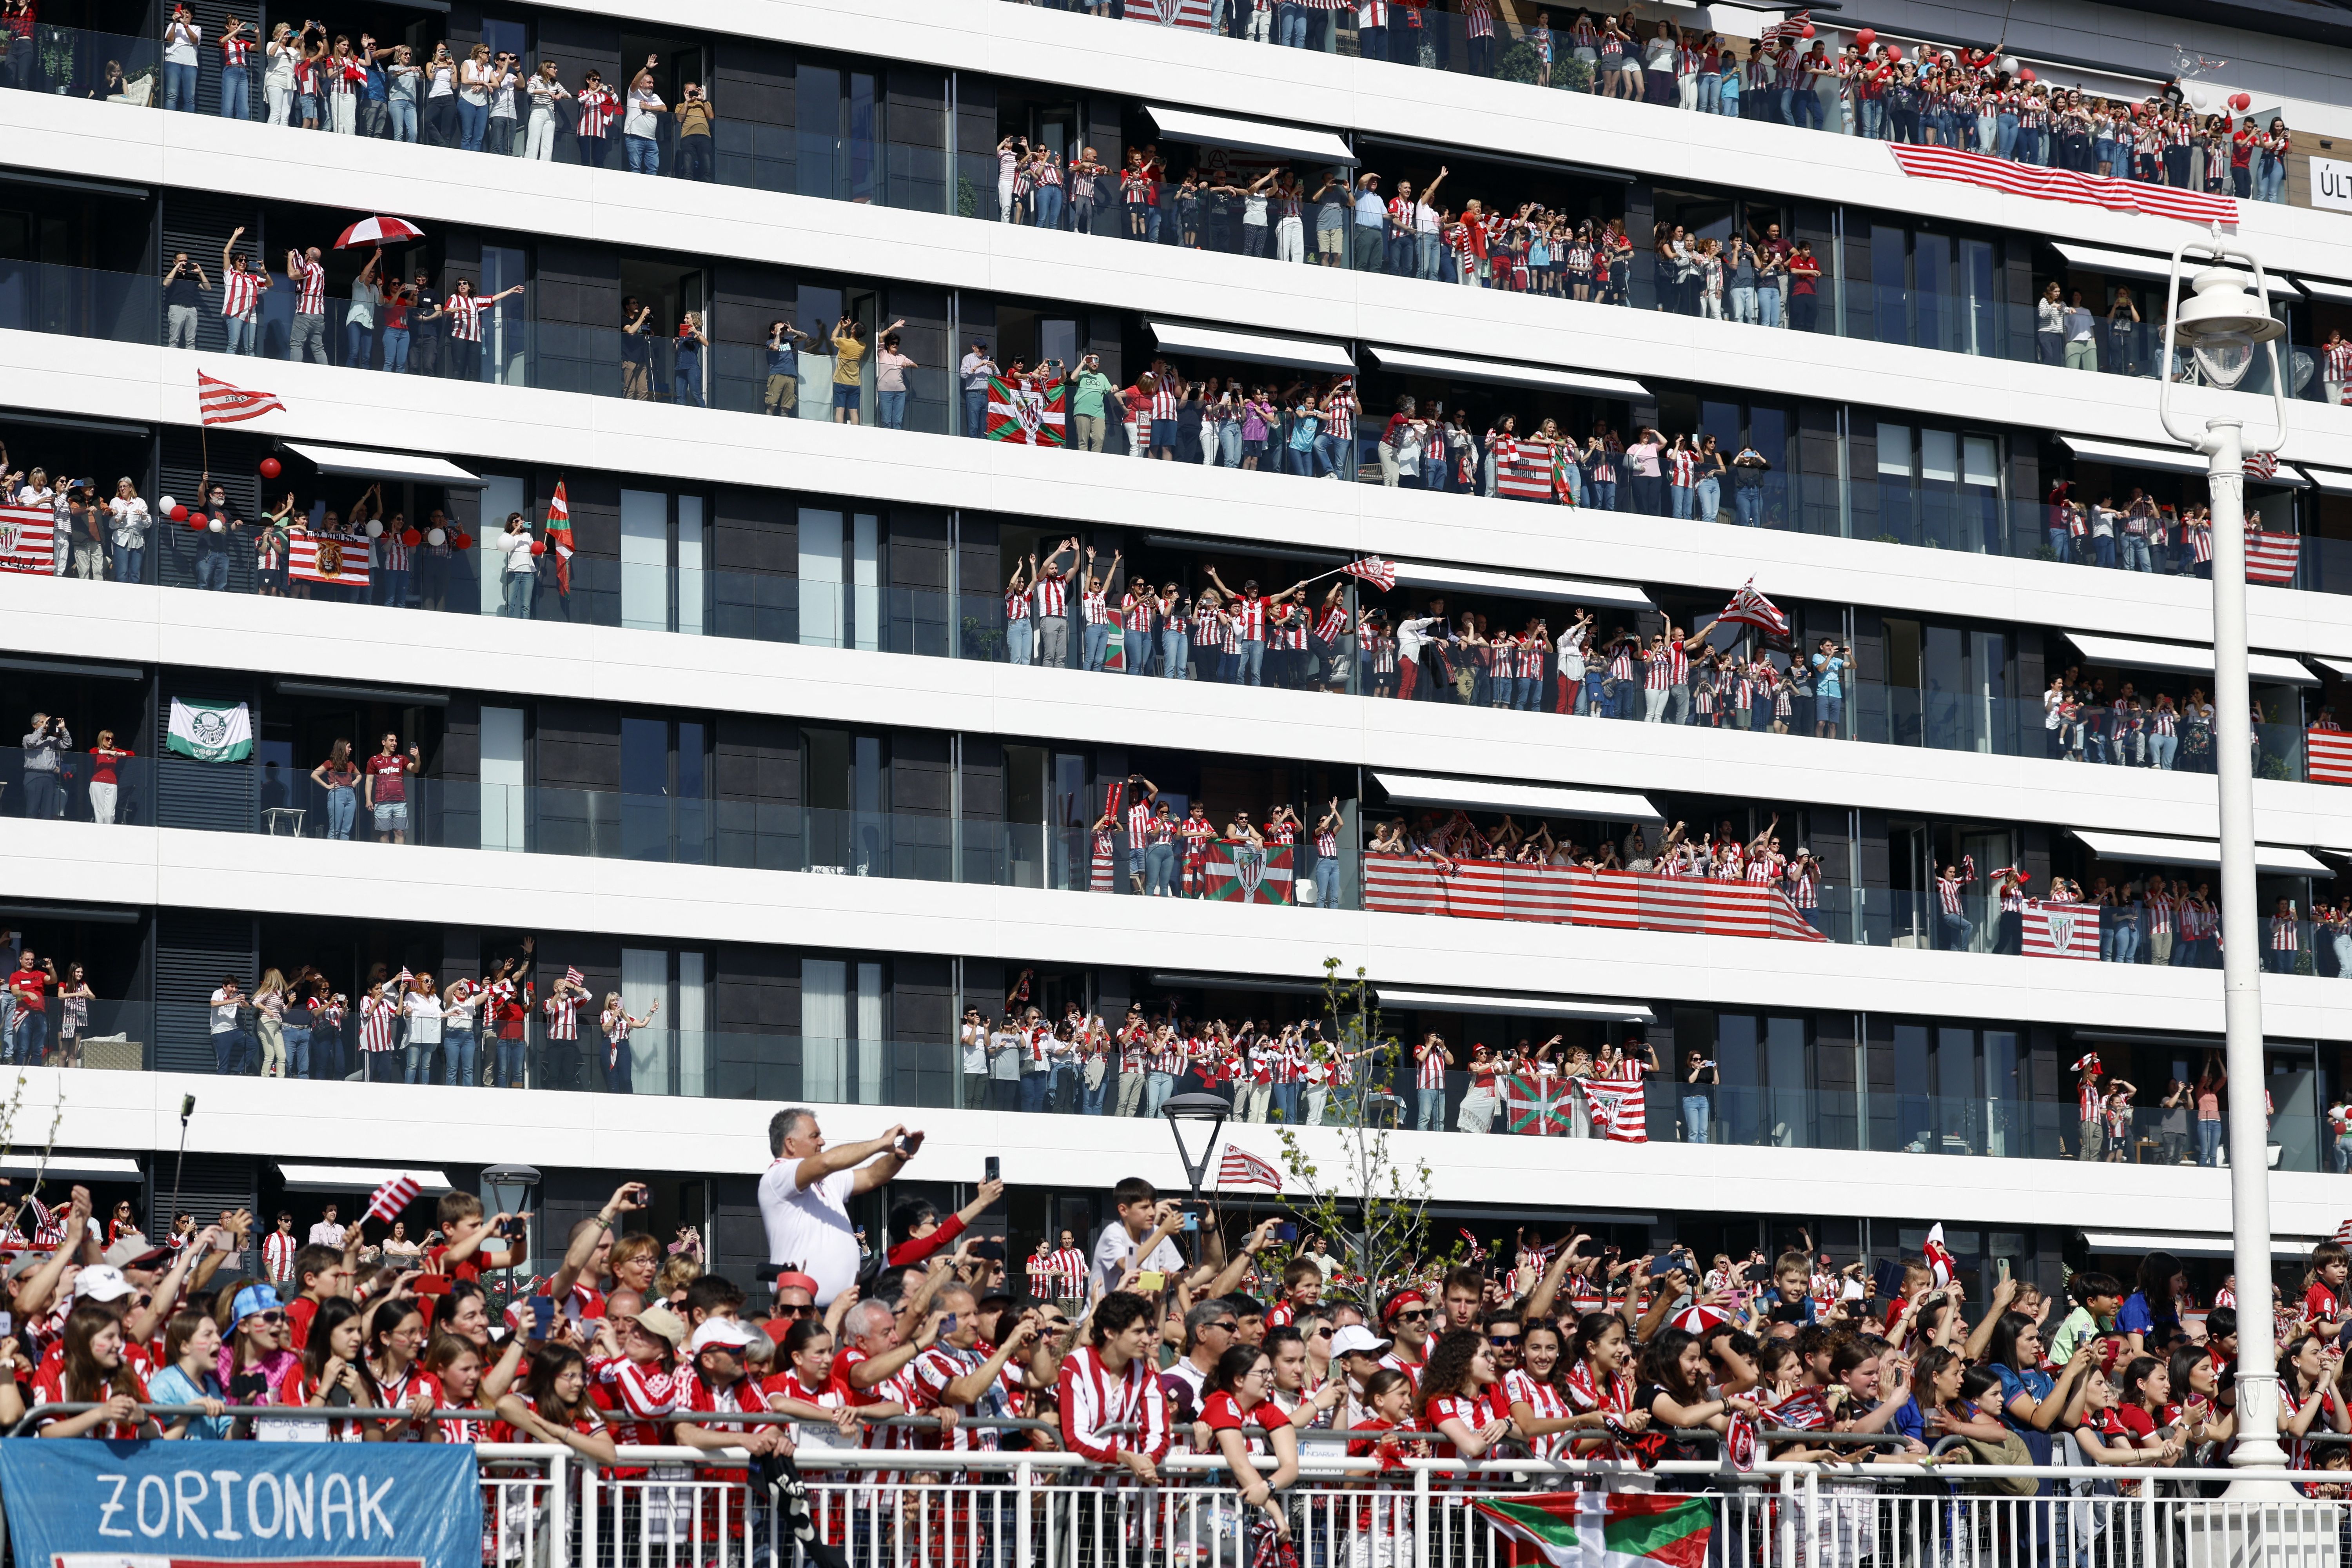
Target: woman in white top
<point>475,80</point>
<point>277,77</point>
<point>458,1035</point>
<point>422,1007</point>
<point>400,89</point>
<point>130,524</point>
<point>538,136</point>
<point>521,572</point>
<point>441,128</point>
<point>641,124</point>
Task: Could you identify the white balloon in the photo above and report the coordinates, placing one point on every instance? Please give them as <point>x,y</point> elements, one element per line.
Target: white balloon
<point>2008,65</point>
<point>168,504</point>
<point>436,536</point>
<point>375,528</point>
<point>217,526</point>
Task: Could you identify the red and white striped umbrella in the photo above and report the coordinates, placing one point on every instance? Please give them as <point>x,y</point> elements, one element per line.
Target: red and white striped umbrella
<point>378,231</point>
<point>1698,1317</point>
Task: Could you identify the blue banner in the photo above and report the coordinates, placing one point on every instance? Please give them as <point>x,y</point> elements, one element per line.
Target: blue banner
<point>80,1503</point>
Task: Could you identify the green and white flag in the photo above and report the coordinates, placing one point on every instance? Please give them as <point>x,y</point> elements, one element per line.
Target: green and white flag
<point>210,734</point>
<point>1606,1529</point>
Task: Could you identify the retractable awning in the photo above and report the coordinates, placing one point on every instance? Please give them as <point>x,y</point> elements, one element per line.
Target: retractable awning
<point>1253,348</point>
<point>365,464</point>
<point>2342,666</point>
<point>1521,585</point>
<point>357,1178</point>
<point>2324,289</point>
<point>2212,1244</point>
<point>2274,858</point>
<point>64,1166</point>
<point>2130,263</point>
<point>1603,1010</point>
<point>2132,654</point>
<point>2331,482</point>
<point>1413,362</point>
<point>1249,135</point>
<point>1489,795</point>
<point>2167,459</point>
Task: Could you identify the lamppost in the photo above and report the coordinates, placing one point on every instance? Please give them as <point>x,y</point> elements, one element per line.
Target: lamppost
<point>1213,1110</point>
<point>2221,326</point>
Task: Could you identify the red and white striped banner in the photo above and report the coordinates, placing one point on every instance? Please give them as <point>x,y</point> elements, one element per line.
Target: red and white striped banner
<point>28,539</point>
<point>1099,876</point>
<point>1193,13</point>
<point>1563,895</point>
<point>2271,557</point>
<point>2061,930</point>
<point>2061,184</point>
<point>2331,756</point>
<point>1523,469</point>
<point>345,564</point>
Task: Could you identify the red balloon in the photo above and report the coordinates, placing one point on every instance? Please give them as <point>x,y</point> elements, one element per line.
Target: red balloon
<point>410,538</point>
<point>462,540</point>
<point>179,514</point>
<point>1808,32</point>
<point>2242,101</point>
<point>1894,53</point>
<point>2025,73</point>
<point>538,547</point>
<point>1866,38</point>
<point>271,468</point>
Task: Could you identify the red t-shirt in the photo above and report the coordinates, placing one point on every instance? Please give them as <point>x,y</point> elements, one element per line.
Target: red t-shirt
<point>2319,1302</point>
<point>1223,1413</point>
<point>298,1313</point>
<point>48,1388</point>
<point>29,1000</point>
<point>2134,1420</point>
<point>1472,1411</point>
<point>465,1269</point>
<point>390,775</point>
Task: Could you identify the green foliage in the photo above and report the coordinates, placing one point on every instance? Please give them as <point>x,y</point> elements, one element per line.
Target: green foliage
<point>1519,63</point>
<point>1571,74</point>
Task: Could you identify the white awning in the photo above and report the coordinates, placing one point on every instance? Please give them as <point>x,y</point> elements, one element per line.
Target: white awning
<point>2274,858</point>
<point>2331,482</point>
<point>2131,654</point>
<point>370,464</point>
<point>356,1178</point>
<point>1524,1006</point>
<point>2131,264</point>
<point>2342,666</point>
<point>1488,794</point>
<point>1521,585</point>
<point>1299,353</point>
<point>1248,135</point>
<point>1415,362</point>
<point>2171,459</point>
<point>2216,1244</point>
<point>2324,289</point>
<point>68,1167</point>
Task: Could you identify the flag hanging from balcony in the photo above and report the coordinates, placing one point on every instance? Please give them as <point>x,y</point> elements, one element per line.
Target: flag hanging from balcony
<point>28,539</point>
<point>391,1197</point>
<point>1795,24</point>
<point>210,732</point>
<point>2261,466</point>
<point>218,402</point>
<point>559,535</point>
<point>1380,574</point>
<point>1027,413</point>
<point>1750,608</point>
<point>1605,1529</point>
<point>2331,756</point>
<point>1923,163</point>
<point>2271,557</point>
<point>1241,874</point>
<point>1193,13</point>
<point>1241,1168</point>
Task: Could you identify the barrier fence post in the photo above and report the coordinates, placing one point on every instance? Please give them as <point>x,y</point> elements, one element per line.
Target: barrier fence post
<point>559,1516</point>
<point>1420,1516</point>
<point>588,1514</point>
<point>1022,1476</point>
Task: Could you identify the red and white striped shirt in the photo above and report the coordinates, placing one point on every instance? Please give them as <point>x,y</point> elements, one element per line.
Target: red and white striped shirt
<point>1168,1055</point>
<point>931,1373</point>
<point>1016,604</point>
<point>1093,1399</point>
<point>638,1389</point>
<point>1138,822</point>
<point>2282,933</point>
<point>465,317</point>
<point>598,105</point>
<point>376,1018</point>
<point>1947,890</point>
<point>1334,623</point>
<point>1432,1074</point>
<point>240,292</point>
<point>234,52</point>
<point>1249,610</point>
<point>563,1017</point>
<point>1052,596</point>
<point>1163,403</point>
<point>311,278</point>
<point>1095,608</point>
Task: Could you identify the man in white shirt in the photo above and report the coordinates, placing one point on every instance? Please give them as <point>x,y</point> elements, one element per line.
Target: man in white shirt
<point>805,1196</point>
<point>327,1233</point>
<point>1143,1229</point>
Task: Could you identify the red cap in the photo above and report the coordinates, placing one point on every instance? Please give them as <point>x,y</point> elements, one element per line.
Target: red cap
<point>790,1278</point>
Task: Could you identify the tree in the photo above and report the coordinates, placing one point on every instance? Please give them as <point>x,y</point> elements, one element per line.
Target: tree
<point>1368,1208</point>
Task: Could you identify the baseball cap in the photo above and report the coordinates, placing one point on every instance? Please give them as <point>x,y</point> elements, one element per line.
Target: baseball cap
<point>724,1332</point>
<point>658,1320</point>
<point>132,1250</point>
<point>100,1282</point>
<point>1358,1340</point>
<point>255,1299</point>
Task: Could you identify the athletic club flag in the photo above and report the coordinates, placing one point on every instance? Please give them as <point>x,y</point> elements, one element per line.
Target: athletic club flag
<point>1242,1169</point>
<point>2344,1231</point>
<point>28,539</point>
<point>1938,1257</point>
<point>2261,466</point>
<point>1750,608</point>
<point>1193,13</point>
<point>1026,414</point>
<point>1924,163</point>
<point>327,558</point>
<point>391,1197</point>
<point>559,535</point>
<point>574,977</point>
<point>218,402</point>
<point>1238,874</point>
<point>2331,756</point>
<point>1605,1529</point>
<point>2061,930</point>
<point>1792,26</point>
<point>1380,574</point>
<point>2271,557</point>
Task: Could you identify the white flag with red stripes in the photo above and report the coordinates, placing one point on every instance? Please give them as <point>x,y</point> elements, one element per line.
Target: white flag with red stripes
<point>1750,608</point>
<point>1241,1168</point>
<point>391,1197</point>
<point>218,402</point>
<point>1380,574</point>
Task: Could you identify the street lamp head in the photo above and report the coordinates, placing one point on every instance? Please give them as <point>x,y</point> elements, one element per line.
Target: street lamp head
<point>2222,324</point>
<point>1212,1109</point>
<point>1197,1108</point>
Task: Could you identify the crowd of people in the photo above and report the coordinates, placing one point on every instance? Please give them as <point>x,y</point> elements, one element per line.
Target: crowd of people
<point>1174,1333</point>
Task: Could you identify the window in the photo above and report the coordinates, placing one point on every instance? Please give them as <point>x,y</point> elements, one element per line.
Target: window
<point>845,1029</point>
<point>841,579</point>
<point>664,807</point>
<point>1956,1091</point>
<point>505,803</point>
<point>1932,289</point>
<point>840,119</point>
<point>661,545</point>
<point>1938,487</point>
<point>670,989</point>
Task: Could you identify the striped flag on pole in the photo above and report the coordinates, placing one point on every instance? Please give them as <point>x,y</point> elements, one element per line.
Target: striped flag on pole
<point>573,975</point>
<point>1380,574</point>
<point>2262,465</point>
<point>1792,26</point>
<point>218,402</point>
<point>1750,608</point>
<point>1241,1168</point>
<point>559,534</point>
<point>391,1197</point>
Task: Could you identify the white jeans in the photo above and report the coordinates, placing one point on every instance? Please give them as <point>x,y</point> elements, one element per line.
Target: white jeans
<point>539,142</point>
<point>102,802</point>
<point>1653,705</point>
<point>1005,199</point>
<point>343,113</point>
<point>1290,240</point>
<point>280,95</point>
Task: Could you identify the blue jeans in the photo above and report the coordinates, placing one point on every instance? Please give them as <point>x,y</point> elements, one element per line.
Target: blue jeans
<point>1695,1114</point>
<point>395,350</point>
<point>2136,553</point>
<point>128,560</point>
<point>1175,654</point>
<point>1049,206</point>
<point>404,119</point>
<point>2058,537</point>
<point>457,1055</point>
<point>1432,1110</point>
<point>1286,1104</point>
<point>1090,1100</point>
<point>893,411</point>
<point>1253,663</point>
<point>1094,644</point>
<point>2127,944</point>
<point>1604,495</point>
<point>343,810</point>
<point>298,1051</point>
<point>29,1038</point>
<point>1327,884</point>
<point>1157,1088</point>
<point>1290,26</point>
<point>1682,500</point>
<point>418,1069</point>
<point>518,591</point>
<point>1768,305</point>
<point>231,1048</point>
<point>244,334</point>
<point>1748,501</point>
<point>1033,1091</point>
<point>234,104</point>
<point>473,118</point>
<point>644,154</point>
<point>357,339</point>
<point>2209,1144</point>
<point>511,1063</point>
<point>180,87</point>
<point>212,571</point>
<point>975,411</point>
<point>1018,636</point>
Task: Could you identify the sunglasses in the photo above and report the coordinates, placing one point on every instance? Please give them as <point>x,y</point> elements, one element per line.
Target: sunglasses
<point>272,1318</point>
<point>1504,1342</point>
<point>1418,1315</point>
<point>802,1311</point>
<point>1229,1326</point>
<point>1318,1333</point>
